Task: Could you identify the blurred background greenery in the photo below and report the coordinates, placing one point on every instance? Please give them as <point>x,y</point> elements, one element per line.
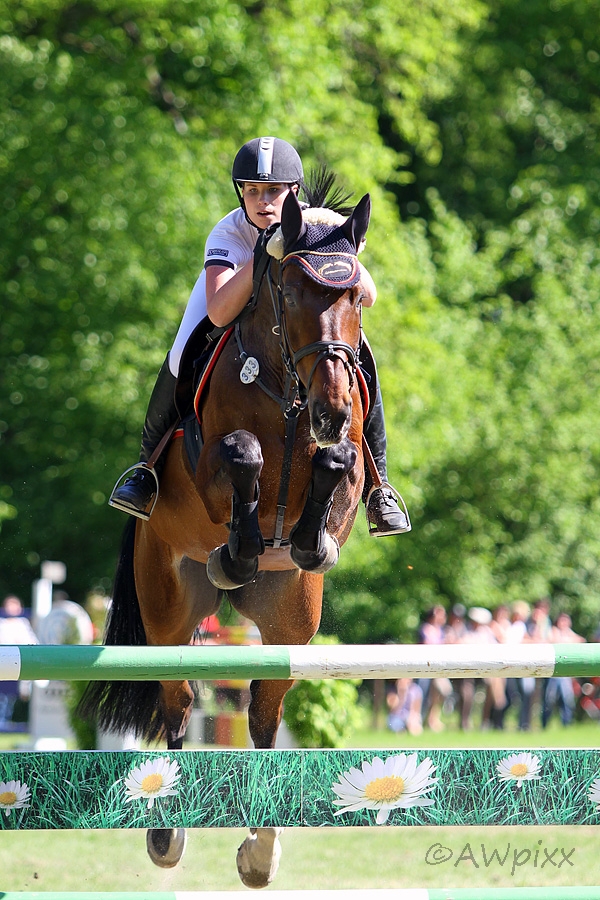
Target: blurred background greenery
<point>473,125</point>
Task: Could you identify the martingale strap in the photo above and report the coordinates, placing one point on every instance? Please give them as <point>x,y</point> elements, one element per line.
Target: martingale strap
<point>291,407</point>
<point>291,422</point>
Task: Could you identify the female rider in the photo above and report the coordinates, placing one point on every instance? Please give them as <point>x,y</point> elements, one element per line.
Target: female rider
<point>264,171</point>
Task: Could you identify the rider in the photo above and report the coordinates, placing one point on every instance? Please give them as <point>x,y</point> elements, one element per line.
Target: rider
<point>264,171</point>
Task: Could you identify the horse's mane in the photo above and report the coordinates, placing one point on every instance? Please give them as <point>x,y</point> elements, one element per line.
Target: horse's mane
<point>320,190</point>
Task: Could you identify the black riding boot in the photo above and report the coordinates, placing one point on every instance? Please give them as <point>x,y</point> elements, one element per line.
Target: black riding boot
<point>137,494</point>
<point>384,514</point>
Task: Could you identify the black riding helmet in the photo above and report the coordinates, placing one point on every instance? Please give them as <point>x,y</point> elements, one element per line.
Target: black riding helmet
<point>266,159</point>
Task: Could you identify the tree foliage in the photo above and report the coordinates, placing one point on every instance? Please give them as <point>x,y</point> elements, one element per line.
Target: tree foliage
<point>473,125</point>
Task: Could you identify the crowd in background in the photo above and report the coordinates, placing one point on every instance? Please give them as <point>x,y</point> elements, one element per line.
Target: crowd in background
<point>414,704</point>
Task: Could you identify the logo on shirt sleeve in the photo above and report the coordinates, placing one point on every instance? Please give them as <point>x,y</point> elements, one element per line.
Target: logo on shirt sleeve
<point>216,252</point>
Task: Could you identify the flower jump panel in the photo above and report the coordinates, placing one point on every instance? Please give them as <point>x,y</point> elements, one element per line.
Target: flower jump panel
<point>305,788</point>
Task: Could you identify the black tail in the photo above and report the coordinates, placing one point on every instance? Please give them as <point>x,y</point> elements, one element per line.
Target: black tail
<point>124,706</point>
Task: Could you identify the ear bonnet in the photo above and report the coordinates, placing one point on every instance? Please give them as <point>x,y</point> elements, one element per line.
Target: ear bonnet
<point>323,250</point>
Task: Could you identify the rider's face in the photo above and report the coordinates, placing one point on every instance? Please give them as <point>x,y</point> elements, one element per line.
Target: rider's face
<point>263,201</point>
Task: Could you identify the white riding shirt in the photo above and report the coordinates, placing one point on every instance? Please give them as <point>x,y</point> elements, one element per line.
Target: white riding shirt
<point>231,243</point>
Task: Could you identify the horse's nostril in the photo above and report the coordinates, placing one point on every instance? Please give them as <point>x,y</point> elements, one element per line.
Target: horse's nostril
<point>328,425</point>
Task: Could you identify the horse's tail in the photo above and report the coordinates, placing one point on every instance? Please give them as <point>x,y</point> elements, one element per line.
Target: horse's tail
<point>124,706</point>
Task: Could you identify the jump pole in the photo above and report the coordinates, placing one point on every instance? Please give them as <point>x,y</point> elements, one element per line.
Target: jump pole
<point>531,893</point>
<point>318,661</point>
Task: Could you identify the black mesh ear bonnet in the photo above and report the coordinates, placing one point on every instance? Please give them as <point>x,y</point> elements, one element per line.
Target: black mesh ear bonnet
<point>326,255</point>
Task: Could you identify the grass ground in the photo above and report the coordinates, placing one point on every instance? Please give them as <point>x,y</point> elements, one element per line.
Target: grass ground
<point>312,859</point>
<point>377,857</point>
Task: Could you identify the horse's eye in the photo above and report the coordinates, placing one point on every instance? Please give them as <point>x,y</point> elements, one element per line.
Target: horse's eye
<point>290,298</point>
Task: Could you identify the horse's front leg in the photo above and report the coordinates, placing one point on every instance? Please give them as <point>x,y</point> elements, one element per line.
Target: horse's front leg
<point>313,548</point>
<point>236,563</point>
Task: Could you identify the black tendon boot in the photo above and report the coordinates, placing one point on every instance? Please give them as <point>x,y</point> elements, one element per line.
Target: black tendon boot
<point>384,514</point>
<point>138,492</point>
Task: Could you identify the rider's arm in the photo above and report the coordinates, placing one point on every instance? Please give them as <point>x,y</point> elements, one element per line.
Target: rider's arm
<point>368,286</point>
<point>227,292</point>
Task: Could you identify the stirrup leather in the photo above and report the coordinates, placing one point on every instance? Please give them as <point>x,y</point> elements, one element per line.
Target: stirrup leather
<point>140,514</point>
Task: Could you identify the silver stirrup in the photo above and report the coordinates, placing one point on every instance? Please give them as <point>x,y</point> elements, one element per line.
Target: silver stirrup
<point>129,509</point>
<point>373,530</point>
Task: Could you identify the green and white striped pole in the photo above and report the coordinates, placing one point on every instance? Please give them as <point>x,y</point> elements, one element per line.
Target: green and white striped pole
<point>318,661</point>
<point>531,893</point>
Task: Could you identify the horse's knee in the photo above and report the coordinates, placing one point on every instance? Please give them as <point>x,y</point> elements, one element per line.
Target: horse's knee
<point>242,458</point>
<point>313,549</point>
<point>330,465</point>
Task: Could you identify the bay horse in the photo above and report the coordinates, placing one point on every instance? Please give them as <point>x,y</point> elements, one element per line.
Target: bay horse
<point>273,497</point>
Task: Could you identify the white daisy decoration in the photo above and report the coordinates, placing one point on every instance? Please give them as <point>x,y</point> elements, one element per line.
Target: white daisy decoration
<point>594,794</point>
<point>519,767</point>
<point>14,795</point>
<point>152,779</point>
<point>396,783</point>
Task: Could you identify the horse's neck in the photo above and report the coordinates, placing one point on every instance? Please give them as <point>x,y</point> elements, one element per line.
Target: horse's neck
<point>259,338</point>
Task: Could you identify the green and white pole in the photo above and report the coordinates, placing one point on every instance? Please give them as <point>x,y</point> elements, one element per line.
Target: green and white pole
<point>531,893</point>
<point>318,661</point>
<point>85,663</point>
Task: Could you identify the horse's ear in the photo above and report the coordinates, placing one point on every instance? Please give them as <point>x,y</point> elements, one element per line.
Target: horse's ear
<point>355,226</point>
<point>292,224</point>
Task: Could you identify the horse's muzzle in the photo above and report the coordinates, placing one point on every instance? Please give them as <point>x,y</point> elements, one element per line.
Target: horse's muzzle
<point>329,426</point>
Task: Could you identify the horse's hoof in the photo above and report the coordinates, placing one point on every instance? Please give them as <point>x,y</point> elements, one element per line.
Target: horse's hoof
<point>227,574</point>
<point>320,563</point>
<point>258,857</point>
<point>166,846</point>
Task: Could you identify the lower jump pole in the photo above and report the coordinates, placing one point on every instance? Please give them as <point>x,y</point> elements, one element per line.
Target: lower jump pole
<point>531,893</point>
<point>77,663</point>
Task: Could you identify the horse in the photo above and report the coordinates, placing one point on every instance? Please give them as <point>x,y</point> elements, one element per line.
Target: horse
<point>273,496</point>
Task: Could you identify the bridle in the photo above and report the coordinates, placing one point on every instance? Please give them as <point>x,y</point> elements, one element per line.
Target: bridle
<point>295,394</point>
<point>295,391</point>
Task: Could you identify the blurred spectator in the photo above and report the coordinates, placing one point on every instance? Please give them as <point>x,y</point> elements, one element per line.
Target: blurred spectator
<point>521,688</point>
<point>456,628</point>
<point>480,632</point>
<point>562,632</point>
<point>454,632</point>
<point>559,691</point>
<point>539,625</point>
<point>15,628</point>
<point>435,690</point>
<point>539,628</point>
<point>500,623</point>
<point>500,626</point>
<point>405,704</point>
<point>431,629</point>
